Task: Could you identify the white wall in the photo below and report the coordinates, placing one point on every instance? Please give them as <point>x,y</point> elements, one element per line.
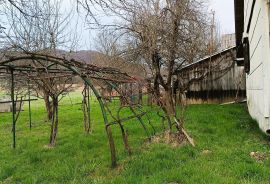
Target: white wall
<point>258,80</point>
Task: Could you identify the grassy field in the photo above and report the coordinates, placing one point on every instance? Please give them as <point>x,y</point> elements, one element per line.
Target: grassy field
<point>224,135</point>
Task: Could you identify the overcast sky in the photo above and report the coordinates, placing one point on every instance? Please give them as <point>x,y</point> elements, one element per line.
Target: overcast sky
<point>225,14</point>
<point>224,11</point>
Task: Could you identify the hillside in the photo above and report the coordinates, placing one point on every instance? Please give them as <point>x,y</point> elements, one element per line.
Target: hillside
<point>101,60</point>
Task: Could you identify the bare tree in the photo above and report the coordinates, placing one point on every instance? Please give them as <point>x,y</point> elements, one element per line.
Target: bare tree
<point>164,36</point>
<point>107,43</point>
<point>44,32</point>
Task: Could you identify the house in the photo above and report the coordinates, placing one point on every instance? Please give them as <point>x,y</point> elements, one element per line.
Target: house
<point>252,20</point>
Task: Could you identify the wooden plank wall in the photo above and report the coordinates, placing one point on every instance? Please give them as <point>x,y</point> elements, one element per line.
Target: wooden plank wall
<point>215,79</point>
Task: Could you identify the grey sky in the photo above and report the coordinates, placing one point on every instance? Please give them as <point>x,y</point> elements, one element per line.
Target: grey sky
<point>224,13</point>
<point>224,10</point>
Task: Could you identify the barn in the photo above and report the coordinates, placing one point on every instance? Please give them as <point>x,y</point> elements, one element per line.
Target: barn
<point>253,52</point>
<point>214,79</point>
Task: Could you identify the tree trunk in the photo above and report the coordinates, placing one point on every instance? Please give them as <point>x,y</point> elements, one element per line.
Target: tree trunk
<point>149,93</point>
<point>182,110</point>
<point>54,120</point>
<point>85,117</point>
<point>125,138</point>
<point>169,102</point>
<point>112,146</point>
<point>156,91</point>
<point>48,105</point>
<point>85,109</point>
<point>140,100</point>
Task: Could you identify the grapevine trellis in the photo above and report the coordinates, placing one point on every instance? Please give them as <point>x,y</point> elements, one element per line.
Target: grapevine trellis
<point>95,78</point>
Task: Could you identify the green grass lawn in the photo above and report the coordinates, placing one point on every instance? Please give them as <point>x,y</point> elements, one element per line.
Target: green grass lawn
<point>224,136</point>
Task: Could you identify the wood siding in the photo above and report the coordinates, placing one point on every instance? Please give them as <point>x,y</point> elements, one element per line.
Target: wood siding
<point>215,79</point>
<point>258,79</point>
